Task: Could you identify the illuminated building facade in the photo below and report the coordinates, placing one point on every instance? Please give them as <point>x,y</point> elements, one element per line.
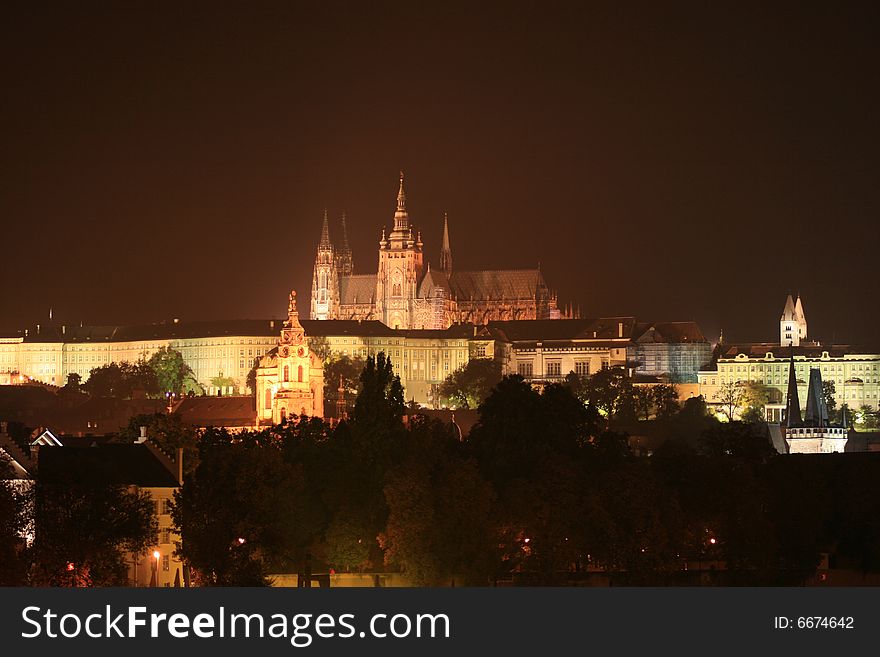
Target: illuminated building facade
<point>405,293</point>
<point>290,379</point>
<point>854,371</point>
<point>226,349</point>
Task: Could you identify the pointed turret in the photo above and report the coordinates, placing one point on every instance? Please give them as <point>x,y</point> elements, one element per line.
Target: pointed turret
<point>792,402</point>
<point>446,251</point>
<point>788,313</point>
<point>800,318</point>
<point>817,411</point>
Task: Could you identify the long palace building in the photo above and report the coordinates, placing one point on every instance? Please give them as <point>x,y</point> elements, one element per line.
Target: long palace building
<point>406,293</point>
<point>542,351</point>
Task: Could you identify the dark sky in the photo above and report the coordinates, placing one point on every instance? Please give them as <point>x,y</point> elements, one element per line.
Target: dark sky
<point>672,161</point>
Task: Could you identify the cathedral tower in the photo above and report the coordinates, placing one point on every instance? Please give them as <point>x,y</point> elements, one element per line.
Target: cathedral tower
<point>400,269</point>
<point>325,283</point>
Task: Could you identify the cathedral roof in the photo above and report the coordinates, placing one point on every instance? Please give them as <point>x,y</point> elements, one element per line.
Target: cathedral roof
<point>357,288</point>
<point>496,284</point>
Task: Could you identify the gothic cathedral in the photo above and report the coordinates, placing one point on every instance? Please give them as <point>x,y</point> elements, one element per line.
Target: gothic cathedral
<point>405,293</point>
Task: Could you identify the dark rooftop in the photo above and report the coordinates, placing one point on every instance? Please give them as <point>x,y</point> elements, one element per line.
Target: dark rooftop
<point>123,464</point>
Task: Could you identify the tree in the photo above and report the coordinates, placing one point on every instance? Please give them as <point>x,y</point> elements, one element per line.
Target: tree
<point>74,382</point>
<point>172,372</point>
<point>610,391</point>
<point>470,384</point>
<point>730,396</point>
<point>829,393</point>
<point>866,417</point>
<point>251,379</point>
<point>380,405</point>
<point>87,524</point>
<point>122,380</point>
<point>438,522</point>
<point>349,369</point>
<point>13,521</point>
<point>643,399</point>
<point>320,346</point>
<point>666,399</point>
<point>754,396</point>
<point>243,512</point>
<point>740,440</point>
<point>222,382</point>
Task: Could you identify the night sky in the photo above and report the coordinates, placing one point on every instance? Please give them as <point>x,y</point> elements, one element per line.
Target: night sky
<point>671,161</point>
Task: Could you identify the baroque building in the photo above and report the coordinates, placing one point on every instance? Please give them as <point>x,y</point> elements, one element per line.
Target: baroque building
<point>405,293</point>
<point>290,379</point>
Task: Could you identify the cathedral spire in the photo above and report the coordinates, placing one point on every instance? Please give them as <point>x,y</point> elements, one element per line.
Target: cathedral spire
<point>401,218</point>
<point>325,233</point>
<point>344,262</point>
<point>345,246</point>
<point>446,251</point>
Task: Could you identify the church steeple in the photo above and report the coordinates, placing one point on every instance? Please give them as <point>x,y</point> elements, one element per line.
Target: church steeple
<point>446,251</point>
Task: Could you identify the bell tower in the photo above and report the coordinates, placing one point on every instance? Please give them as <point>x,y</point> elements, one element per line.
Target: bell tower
<point>793,323</point>
<point>400,269</point>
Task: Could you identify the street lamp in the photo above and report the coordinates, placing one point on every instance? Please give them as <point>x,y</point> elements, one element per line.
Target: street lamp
<point>156,556</point>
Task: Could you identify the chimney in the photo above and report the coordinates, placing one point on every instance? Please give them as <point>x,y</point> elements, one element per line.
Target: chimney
<point>619,329</point>
<point>143,435</point>
<point>63,329</point>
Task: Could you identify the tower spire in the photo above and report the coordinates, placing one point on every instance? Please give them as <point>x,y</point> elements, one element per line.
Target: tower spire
<point>325,233</point>
<point>446,251</point>
<point>792,403</point>
<point>401,217</point>
<point>344,262</point>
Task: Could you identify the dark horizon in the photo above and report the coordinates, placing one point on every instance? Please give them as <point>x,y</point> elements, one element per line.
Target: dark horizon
<point>671,163</point>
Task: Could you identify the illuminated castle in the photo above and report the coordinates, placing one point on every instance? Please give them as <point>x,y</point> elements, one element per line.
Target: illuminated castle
<point>405,293</point>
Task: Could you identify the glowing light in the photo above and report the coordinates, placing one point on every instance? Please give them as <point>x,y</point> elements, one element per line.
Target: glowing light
<point>527,540</point>
<point>156,555</point>
<point>712,541</point>
<point>241,541</point>
<point>70,566</point>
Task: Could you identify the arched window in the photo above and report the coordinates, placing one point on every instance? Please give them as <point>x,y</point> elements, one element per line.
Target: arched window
<point>299,374</point>
<point>286,376</point>
<point>268,398</point>
<point>283,414</point>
